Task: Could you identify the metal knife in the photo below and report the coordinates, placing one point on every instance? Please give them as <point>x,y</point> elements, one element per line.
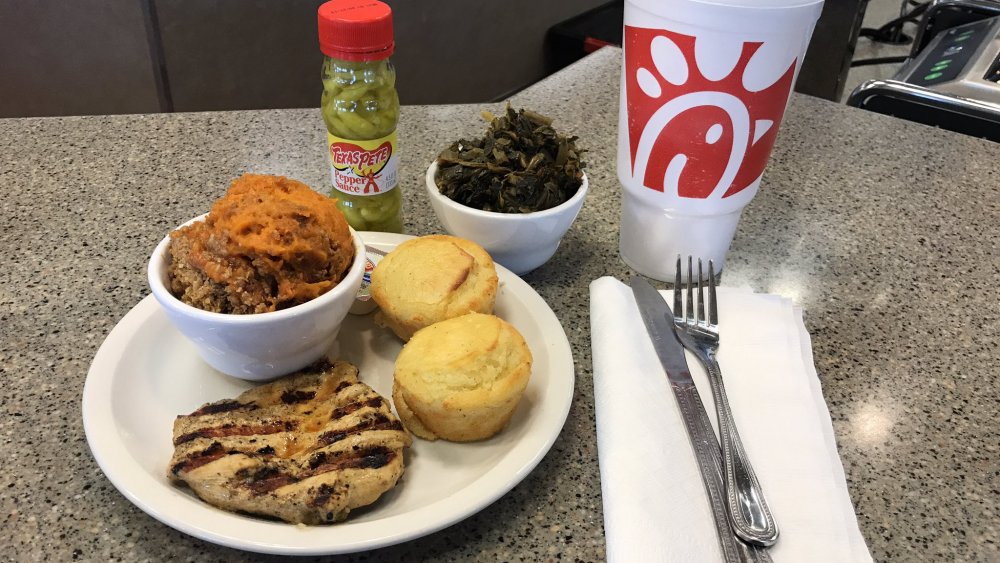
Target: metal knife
<point>659,321</point>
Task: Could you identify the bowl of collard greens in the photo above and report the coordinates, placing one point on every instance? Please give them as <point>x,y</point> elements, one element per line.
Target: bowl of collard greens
<point>515,191</point>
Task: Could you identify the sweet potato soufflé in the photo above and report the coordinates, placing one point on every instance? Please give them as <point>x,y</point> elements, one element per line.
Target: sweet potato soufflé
<point>270,243</point>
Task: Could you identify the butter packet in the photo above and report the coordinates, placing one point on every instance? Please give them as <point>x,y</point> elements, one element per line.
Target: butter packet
<point>363,302</point>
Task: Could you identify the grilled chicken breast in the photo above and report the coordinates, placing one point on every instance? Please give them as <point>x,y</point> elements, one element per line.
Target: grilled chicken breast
<point>307,448</point>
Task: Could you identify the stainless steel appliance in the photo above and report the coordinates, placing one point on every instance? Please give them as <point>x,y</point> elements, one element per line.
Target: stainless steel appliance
<point>952,76</point>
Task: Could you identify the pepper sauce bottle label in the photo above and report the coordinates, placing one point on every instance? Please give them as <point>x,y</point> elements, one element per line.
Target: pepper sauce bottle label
<point>363,168</point>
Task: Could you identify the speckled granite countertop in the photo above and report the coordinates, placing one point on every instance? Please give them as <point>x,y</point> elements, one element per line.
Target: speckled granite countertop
<point>885,231</point>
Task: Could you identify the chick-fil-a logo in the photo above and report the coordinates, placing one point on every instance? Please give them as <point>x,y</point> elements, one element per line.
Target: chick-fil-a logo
<point>703,113</point>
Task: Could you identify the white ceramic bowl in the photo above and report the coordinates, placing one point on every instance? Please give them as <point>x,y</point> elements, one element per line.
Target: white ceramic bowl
<point>520,242</point>
<point>266,345</point>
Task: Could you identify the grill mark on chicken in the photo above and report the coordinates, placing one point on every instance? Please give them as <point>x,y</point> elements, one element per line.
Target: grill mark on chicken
<point>363,458</point>
<point>341,412</point>
<point>371,458</point>
<point>223,406</point>
<point>270,479</point>
<point>342,385</point>
<point>322,497</point>
<point>321,424</point>
<point>378,422</point>
<point>206,456</point>
<point>236,430</point>
<point>297,396</point>
<point>368,458</point>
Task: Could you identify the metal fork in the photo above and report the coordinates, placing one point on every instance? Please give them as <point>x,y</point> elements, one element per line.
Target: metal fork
<point>749,514</point>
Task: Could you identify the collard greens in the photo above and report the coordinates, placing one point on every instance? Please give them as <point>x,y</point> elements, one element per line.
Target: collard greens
<point>521,165</point>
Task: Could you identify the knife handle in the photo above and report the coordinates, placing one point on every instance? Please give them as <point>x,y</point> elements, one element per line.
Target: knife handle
<point>709,457</point>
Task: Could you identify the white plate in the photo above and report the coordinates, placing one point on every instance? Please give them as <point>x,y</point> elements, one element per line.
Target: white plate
<point>146,373</point>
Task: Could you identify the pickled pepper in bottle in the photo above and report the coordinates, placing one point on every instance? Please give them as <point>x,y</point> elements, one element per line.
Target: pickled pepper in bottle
<point>361,108</point>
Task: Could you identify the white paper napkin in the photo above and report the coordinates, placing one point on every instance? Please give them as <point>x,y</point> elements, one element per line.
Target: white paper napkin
<point>655,505</point>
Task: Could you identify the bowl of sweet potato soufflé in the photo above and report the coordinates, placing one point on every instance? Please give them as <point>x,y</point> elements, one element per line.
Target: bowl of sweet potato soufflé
<point>262,283</point>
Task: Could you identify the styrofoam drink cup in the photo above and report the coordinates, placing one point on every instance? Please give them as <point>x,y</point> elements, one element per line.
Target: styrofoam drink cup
<point>704,87</point>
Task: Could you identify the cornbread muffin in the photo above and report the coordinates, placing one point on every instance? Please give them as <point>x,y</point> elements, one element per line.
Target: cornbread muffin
<point>270,243</point>
<point>430,279</point>
<point>462,378</point>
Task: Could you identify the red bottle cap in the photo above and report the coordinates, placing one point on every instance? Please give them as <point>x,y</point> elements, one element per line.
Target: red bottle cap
<point>356,30</point>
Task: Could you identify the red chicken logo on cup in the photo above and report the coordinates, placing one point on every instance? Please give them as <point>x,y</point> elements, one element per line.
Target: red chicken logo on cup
<point>703,113</point>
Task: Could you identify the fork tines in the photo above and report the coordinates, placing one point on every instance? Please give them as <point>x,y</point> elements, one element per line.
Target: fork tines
<point>690,314</point>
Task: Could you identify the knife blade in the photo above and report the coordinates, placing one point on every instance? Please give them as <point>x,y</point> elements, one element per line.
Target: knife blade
<point>659,321</point>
